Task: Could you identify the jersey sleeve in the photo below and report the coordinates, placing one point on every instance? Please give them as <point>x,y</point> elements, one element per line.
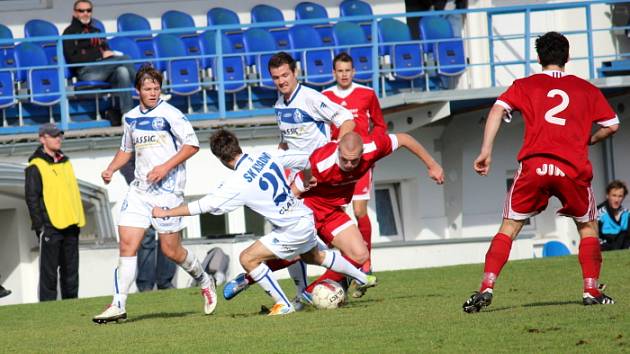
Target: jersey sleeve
<point>126,143</point>
<point>382,144</point>
<point>328,111</point>
<point>183,131</point>
<point>293,159</point>
<point>603,114</point>
<point>376,116</point>
<point>223,199</point>
<point>511,98</point>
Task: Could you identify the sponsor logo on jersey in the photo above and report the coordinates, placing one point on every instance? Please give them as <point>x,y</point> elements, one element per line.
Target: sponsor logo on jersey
<point>145,140</point>
<point>144,122</point>
<point>158,123</point>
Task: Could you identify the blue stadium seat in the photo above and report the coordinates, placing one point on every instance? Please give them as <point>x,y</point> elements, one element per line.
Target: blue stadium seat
<point>181,72</point>
<point>267,13</point>
<point>358,8</point>
<point>309,10</point>
<point>7,94</point>
<point>127,46</point>
<point>129,22</point>
<point>448,52</point>
<point>317,64</point>
<point>407,59</point>
<point>258,40</point>
<point>555,248</point>
<point>177,19</point>
<point>98,24</point>
<point>42,83</point>
<point>221,16</point>
<point>233,66</point>
<point>234,75</point>
<point>349,33</point>
<point>7,50</point>
<point>42,28</point>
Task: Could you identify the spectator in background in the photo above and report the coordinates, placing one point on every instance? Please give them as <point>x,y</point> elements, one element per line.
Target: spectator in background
<point>54,204</point>
<point>4,292</point>
<point>613,218</point>
<point>90,50</point>
<point>152,268</point>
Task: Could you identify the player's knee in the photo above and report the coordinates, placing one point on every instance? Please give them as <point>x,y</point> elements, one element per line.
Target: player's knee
<point>247,261</point>
<point>360,255</point>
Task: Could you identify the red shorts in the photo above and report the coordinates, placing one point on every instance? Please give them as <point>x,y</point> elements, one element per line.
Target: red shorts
<point>363,187</point>
<point>329,221</point>
<point>540,178</point>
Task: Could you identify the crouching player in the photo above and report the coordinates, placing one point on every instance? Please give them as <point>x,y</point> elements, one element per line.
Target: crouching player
<point>336,167</point>
<point>258,182</point>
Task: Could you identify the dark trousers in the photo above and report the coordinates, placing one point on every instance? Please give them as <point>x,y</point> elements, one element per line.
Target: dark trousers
<point>59,257</point>
<point>153,266</point>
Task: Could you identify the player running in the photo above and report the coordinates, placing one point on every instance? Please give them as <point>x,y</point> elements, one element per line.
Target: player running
<point>162,139</point>
<point>368,118</point>
<point>259,182</point>
<point>559,111</point>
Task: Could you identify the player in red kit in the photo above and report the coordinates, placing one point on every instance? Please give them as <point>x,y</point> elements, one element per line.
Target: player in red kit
<point>368,118</point>
<point>559,111</point>
<point>337,167</point>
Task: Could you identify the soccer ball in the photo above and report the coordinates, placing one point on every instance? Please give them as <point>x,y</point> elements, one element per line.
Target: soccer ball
<point>328,295</point>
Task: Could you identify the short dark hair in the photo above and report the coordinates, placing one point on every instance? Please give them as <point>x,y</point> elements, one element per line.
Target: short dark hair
<point>147,71</point>
<point>279,59</point>
<point>74,7</point>
<point>552,49</point>
<point>342,57</point>
<point>617,184</point>
<point>224,145</point>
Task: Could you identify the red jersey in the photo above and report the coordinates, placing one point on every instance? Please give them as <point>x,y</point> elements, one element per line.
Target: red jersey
<point>335,187</point>
<point>559,111</point>
<point>364,105</point>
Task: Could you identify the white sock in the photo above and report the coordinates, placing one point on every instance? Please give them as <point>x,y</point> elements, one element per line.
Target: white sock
<point>263,276</point>
<point>192,266</point>
<point>335,261</point>
<point>124,276</point>
<point>297,271</point>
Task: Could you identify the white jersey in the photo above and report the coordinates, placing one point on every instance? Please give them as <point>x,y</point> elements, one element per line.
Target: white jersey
<point>156,135</point>
<point>258,181</point>
<point>303,119</point>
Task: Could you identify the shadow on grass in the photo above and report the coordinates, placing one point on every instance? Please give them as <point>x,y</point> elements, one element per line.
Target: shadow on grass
<point>160,315</point>
<point>533,304</point>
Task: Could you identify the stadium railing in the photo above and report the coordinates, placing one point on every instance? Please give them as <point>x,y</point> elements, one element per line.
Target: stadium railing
<point>383,81</point>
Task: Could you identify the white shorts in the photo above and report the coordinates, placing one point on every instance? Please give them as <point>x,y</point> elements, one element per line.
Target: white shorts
<point>138,204</point>
<point>292,241</point>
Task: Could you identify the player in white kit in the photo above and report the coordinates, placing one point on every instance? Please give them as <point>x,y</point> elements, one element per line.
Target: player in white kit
<point>162,139</point>
<point>259,182</point>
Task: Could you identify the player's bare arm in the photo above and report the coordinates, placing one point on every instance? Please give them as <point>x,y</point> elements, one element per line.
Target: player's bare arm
<point>346,127</point>
<point>181,210</point>
<point>119,160</point>
<point>603,133</point>
<point>160,171</point>
<point>493,122</point>
<point>434,169</point>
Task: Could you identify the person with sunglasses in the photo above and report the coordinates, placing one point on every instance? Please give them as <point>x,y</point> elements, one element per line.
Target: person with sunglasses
<point>91,50</point>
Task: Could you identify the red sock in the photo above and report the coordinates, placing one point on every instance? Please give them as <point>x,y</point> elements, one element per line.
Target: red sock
<point>496,257</point>
<point>329,274</point>
<point>590,257</point>
<point>365,227</point>
<point>273,264</point>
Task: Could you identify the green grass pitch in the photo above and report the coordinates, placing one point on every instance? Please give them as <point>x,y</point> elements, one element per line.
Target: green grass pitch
<point>537,308</point>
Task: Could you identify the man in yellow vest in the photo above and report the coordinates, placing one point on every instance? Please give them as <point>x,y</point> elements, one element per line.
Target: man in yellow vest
<point>54,203</point>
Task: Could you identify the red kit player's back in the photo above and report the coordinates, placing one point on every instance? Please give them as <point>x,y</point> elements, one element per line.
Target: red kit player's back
<point>558,111</point>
